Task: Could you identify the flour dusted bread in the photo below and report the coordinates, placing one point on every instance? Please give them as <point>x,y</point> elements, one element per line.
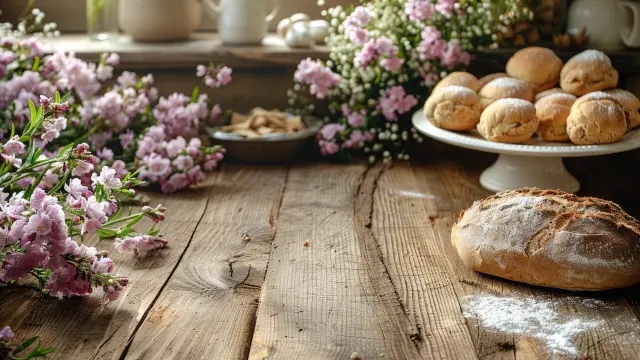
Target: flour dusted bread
<point>537,65</point>
<point>453,108</point>
<point>550,238</point>
<point>503,88</point>
<point>545,93</point>
<point>630,104</point>
<point>553,111</point>
<point>459,78</point>
<point>508,121</point>
<point>596,118</point>
<point>589,71</point>
<point>489,78</point>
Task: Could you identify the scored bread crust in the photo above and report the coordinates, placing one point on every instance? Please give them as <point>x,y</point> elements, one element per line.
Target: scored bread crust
<point>596,118</point>
<point>550,238</point>
<point>630,105</point>
<point>459,78</point>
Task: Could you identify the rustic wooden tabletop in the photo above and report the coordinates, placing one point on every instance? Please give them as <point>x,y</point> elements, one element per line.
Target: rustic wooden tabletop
<point>321,261</point>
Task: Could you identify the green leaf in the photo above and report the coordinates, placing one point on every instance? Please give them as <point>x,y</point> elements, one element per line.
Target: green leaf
<point>25,345</point>
<point>35,184</point>
<point>106,234</point>
<point>33,113</point>
<point>195,94</point>
<point>36,64</point>
<point>57,98</point>
<point>13,130</point>
<point>59,186</point>
<point>66,97</point>
<point>117,215</point>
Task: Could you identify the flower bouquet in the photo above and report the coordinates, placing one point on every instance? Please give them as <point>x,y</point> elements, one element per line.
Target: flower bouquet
<point>384,57</point>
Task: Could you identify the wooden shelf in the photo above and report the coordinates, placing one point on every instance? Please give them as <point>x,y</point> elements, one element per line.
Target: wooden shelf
<point>201,48</point>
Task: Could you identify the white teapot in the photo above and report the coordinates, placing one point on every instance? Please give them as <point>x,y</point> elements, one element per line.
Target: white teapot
<point>603,20</point>
<point>243,21</point>
<point>630,33</point>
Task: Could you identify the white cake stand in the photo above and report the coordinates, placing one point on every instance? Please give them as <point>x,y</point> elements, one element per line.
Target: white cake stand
<point>535,163</point>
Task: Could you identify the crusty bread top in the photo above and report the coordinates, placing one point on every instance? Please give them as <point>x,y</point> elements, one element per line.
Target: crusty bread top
<point>557,98</point>
<point>589,70</point>
<point>454,93</point>
<point>545,93</point>
<point>460,78</point>
<point>550,238</point>
<point>537,65</point>
<point>488,78</point>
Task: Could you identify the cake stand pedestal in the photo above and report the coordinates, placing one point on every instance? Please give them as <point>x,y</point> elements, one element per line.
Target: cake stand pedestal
<point>535,163</point>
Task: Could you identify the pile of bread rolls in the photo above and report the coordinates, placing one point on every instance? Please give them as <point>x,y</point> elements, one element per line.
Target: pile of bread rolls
<point>526,101</point>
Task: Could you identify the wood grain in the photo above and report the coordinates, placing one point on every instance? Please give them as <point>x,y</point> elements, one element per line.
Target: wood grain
<point>207,309</point>
<point>450,188</point>
<point>322,299</point>
<point>83,328</point>
<point>417,265</point>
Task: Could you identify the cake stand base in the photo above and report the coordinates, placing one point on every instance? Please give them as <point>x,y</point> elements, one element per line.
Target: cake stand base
<point>512,172</point>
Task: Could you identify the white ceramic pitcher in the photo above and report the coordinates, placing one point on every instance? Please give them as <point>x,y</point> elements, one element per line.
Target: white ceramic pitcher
<point>630,33</point>
<point>243,21</point>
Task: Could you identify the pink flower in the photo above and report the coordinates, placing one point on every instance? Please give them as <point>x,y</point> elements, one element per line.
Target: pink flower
<point>195,175</point>
<point>201,70</point>
<point>319,78</point>
<point>357,139</point>
<point>112,59</point>
<point>359,17</point>
<point>183,163</point>
<point>82,168</point>
<point>95,210</point>
<point>329,131</point>
<point>367,55</point>
<point>358,35</point>
<point>13,147</point>
<point>13,160</point>
<point>174,183</point>
<point>126,139</point>
<point>120,168</point>
<point>175,146</point>
<point>107,178</point>
<point>127,79</point>
<point>6,335</point>
<point>392,64</point>
<point>141,245</point>
<point>102,265</point>
<point>445,7</point>
<point>155,167</point>
<point>36,48</point>
<point>104,72</point>
<point>90,226</point>
<point>356,119</point>
<point>419,10</point>
<point>328,147</point>
<point>216,111</point>
<point>224,76</point>
<point>454,55</point>
<point>394,101</point>
<point>39,224</point>
<point>105,154</point>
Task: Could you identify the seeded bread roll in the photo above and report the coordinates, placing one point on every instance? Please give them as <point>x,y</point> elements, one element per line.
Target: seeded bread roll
<point>545,93</point>
<point>453,108</point>
<point>550,238</point>
<point>630,105</point>
<point>537,65</point>
<point>459,78</point>
<point>553,111</point>
<point>589,71</point>
<point>508,121</point>
<point>596,118</point>
<point>488,78</point>
<point>503,88</point>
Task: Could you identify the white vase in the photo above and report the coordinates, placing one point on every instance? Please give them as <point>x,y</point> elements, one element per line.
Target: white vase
<point>603,20</point>
<point>159,20</point>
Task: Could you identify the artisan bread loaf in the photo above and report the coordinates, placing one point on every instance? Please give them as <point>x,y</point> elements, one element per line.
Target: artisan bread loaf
<point>545,93</point>
<point>459,78</point>
<point>453,108</point>
<point>537,65</point>
<point>489,78</point>
<point>550,238</point>
<point>553,111</point>
<point>589,71</point>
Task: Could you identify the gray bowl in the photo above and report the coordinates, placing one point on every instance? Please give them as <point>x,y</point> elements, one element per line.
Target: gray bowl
<point>271,148</point>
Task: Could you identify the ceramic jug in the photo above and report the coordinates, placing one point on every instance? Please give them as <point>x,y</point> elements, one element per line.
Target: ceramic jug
<point>630,33</point>
<point>603,20</point>
<point>159,20</point>
<point>243,21</point>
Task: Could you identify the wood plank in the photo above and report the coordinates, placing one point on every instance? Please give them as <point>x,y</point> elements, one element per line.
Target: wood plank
<point>207,309</point>
<point>83,328</point>
<point>326,295</point>
<point>417,266</point>
<point>609,330</point>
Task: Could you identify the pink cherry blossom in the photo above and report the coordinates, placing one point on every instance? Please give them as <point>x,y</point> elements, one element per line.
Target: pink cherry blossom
<point>329,131</point>
<point>419,10</point>
<point>39,224</point>
<point>107,178</point>
<point>319,78</point>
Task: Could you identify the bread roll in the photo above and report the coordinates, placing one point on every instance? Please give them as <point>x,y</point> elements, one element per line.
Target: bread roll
<point>488,78</point>
<point>589,71</point>
<point>508,121</point>
<point>537,65</point>
<point>553,111</point>
<point>459,78</point>
<point>503,88</point>
<point>550,238</point>
<point>596,118</point>
<point>453,108</point>
<point>542,94</point>
<point>630,105</point>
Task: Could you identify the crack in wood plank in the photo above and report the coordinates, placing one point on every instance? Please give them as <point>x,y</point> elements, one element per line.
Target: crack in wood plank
<point>148,310</point>
<point>376,267</point>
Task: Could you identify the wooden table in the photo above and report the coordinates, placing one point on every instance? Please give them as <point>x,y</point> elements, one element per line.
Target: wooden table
<point>321,261</point>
